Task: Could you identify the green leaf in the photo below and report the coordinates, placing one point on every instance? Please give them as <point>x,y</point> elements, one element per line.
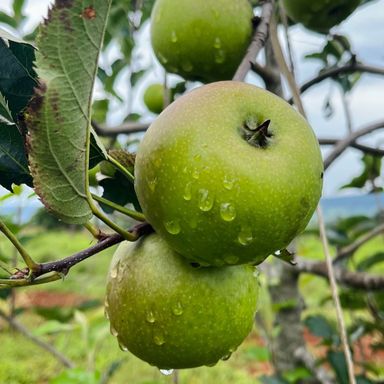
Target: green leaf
<point>339,365</point>
<point>5,113</point>
<point>370,261</point>
<point>100,110</point>
<point>77,376</point>
<point>319,326</point>
<point>13,160</point>
<point>97,152</point>
<point>17,76</point>
<point>68,44</point>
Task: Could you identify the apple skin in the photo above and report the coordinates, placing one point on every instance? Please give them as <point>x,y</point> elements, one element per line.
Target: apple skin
<point>201,40</point>
<point>320,15</point>
<point>172,315</point>
<point>215,198</point>
<point>154,98</point>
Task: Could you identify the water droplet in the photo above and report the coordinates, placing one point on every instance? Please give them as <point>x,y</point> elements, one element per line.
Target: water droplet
<point>152,184</point>
<point>123,347</point>
<point>211,365</point>
<point>106,313</point>
<point>227,211</point>
<point>113,331</point>
<point>228,183</point>
<point>150,317</point>
<point>162,58</point>
<point>115,270</point>
<point>205,200</point>
<point>173,37</point>
<point>177,309</point>
<point>166,372</point>
<point>226,357</point>
<point>188,191</point>
<point>219,56</point>
<point>159,339</point>
<point>231,259</point>
<point>196,174</point>
<point>245,236</point>
<point>187,66</point>
<point>172,227</point>
<point>217,43</point>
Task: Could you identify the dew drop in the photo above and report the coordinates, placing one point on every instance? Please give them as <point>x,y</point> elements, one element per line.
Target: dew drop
<point>219,56</point>
<point>205,200</point>
<point>231,259</point>
<point>188,191</point>
<point>114,271</point>
<point>150,317</point>
<point>245,236</point>
<point>166,372</point>
<point>113,331</point>
<point>162,58</point>
<point>152,184</point>
<point>228,183</point>
<point>123,347</point>
<point>106,313</point>
<point>177,309</point>
<point>187,66</point>
<point>226,357</point>
<point>172,227</point>
<point>159,339</point>
<point>227,211</point>
<point>217,43</point>
<point>173,37</point>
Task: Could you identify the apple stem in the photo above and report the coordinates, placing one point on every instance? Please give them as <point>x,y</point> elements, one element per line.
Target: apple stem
<point>258,137</point>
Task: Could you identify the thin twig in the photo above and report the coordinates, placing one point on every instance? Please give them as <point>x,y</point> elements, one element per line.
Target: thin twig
<point>343,144</point>
<point>360,147</point>
<point>258,41</point>
<point>331,272</point>
<point>48,347</point>
<point>126,128</point>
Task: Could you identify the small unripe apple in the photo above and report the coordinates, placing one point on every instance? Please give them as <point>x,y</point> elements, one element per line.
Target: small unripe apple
<point>228,174</point>
<point>320,15</point>
<point>202,39</point>
<point>173,315</point>
<point>154,98</point>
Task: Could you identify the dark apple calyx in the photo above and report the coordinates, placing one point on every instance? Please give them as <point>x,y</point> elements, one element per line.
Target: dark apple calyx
<point>256,134</point>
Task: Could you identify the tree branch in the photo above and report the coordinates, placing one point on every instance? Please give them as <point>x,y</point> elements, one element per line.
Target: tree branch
<point>259,38</point>
<point>49,348</point>
<point>343,144</point>
<point>126,128</point>
<point>360,147</point>
<point>357,280</point>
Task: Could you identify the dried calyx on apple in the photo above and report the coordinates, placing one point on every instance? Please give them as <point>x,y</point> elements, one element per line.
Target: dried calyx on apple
<point>257,134</point>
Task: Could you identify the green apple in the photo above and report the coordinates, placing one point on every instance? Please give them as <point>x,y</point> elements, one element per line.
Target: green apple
<point>228,174</point>
<point>320,15</point>
<point>173,315</point>
<point>154,98</point>
<point>201,40</point>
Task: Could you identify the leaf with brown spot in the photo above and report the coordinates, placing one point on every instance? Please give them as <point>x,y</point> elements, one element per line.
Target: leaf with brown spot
<point>58,117</point>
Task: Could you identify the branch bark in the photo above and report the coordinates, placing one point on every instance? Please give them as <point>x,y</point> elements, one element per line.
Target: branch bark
<point>357,280</point>
<point>126,129</point>
<point>258,41</point>
<point>343,144</point>
<point>360,147</point>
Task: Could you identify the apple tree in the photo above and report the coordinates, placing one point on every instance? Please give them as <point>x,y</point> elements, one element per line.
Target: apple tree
<point>219,188</point>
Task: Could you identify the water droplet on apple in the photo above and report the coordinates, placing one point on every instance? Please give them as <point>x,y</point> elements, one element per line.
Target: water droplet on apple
<point>227,211</point>
<point>187,66</point>
<point>166,372</point>
<point>217,43</point>
<point>106,313</point>
<point>152,184</point>
<point>227,356</point>
<point>177,309</point>
<point>114,270</point>
<point>205,200</point>
<point>113,331</point>
<point>228,183</point>
<point>173,37</point>
<point>172,227</point>
<point>188,191</point>
<point>231,259</point>
<point>219,56</point>
<point>159,339</point>
<point>162,58</point>
<point>245,236</point>
<point>123,347</point>
<point>150,317</point>
<point>211,365</point>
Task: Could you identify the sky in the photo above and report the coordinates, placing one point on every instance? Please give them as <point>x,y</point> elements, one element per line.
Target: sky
<point>365,29</point>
